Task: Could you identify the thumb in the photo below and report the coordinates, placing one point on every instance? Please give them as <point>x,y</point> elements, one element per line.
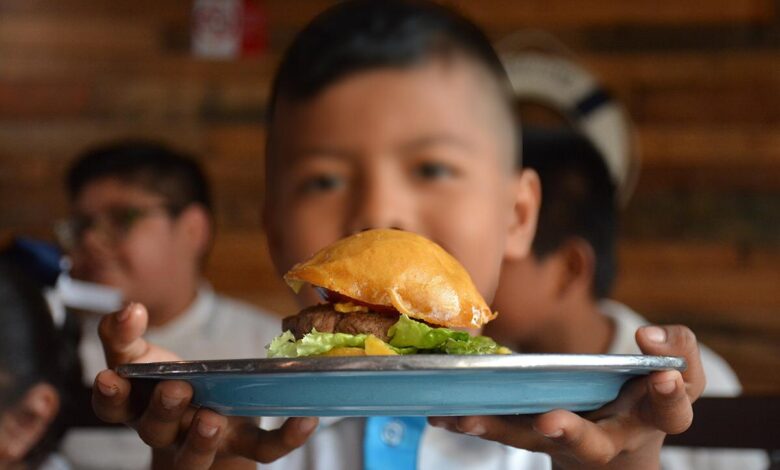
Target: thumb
<point>121,334</point>
<point>676,340</point>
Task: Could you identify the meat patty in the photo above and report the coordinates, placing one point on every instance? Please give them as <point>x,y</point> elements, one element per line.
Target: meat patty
<point>326,320</point>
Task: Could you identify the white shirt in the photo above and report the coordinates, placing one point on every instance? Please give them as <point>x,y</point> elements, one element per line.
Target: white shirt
<point>213,327</point>
<point>721,382</point>
<point>338,444</point>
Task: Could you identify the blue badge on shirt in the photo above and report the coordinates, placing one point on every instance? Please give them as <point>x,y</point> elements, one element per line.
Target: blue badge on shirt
<point>392,442</point>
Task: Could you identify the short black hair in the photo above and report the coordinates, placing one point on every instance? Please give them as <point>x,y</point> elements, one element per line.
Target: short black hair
<point>360,35</point>
<point>150,165</point>
<point>578,198</point>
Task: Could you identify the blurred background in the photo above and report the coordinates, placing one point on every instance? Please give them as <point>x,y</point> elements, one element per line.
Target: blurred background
<point>700,79</point>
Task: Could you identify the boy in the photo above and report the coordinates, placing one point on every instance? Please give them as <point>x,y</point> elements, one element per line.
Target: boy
<point>142,223</point>
<point>396,114</point>
<point>560,290</point>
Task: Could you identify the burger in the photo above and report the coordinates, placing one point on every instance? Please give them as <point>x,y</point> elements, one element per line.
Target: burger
<point>385,292</point>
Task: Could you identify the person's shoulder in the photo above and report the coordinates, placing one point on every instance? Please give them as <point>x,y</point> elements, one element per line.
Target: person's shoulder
<point>722,381</point>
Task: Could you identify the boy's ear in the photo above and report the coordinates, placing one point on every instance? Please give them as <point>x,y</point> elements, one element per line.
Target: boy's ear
<point>196,223</point>
<point>579,266</point>
<point>25,423</point>
<point>526,200</point>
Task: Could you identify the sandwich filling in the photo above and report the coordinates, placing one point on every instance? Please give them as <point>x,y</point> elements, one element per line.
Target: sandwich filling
<point>350,328</point>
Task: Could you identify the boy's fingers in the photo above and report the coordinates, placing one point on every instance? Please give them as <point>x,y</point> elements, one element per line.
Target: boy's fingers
<point>577,438</point>
<point>670,406</point>
<point>160,423</point>
<point>558,432</point>
<point>263,446</point>
<point>449,423</point>
<point>120,333</point>
<point>202,442</point>
<point>675,340</point>
<point>111,398</point>
<point>515,431</point>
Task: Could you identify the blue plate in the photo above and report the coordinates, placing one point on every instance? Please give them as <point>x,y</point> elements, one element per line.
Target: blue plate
<point>415,385</point>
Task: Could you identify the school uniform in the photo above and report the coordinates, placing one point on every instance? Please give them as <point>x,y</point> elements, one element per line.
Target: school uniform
<point>385,443</point>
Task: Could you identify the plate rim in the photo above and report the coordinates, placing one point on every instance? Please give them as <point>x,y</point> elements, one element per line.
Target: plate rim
<point>405,364</point>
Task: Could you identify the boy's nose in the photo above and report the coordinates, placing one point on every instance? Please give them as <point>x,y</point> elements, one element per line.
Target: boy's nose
<point>380,205</point>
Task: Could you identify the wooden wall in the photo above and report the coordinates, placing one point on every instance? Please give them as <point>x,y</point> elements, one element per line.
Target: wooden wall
<point>700,78</point>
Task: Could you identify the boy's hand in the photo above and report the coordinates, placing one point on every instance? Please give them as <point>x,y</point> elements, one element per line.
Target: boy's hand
<point>626,433</point>
<point>182,436</point>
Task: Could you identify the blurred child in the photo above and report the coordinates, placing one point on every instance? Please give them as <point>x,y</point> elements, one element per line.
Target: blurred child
<point>142,223</point>
<point>397,114</point>
<point>556,299</point>
<point>38,370</point>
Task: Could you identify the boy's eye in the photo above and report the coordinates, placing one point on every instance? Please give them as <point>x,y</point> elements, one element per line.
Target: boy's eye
<point>433,171</point>
<point>321,183</point>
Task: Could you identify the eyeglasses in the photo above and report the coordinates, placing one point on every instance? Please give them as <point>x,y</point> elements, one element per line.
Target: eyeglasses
<point>113,224</point>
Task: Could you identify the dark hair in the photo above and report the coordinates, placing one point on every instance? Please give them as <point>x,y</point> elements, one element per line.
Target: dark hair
<point>578,198</point>
<point>33,350</point>
<point>150,165</point>
<point>360,35</point>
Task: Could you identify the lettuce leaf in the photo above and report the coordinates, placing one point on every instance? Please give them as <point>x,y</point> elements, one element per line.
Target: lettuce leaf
<point>407,336</point>
<point>407,333</point>
<point>312,344</point>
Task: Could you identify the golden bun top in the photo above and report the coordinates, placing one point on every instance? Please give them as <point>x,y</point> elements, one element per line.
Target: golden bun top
<point>398,269</point>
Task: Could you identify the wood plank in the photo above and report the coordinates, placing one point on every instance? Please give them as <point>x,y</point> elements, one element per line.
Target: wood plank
<point>655,69</point>
<point>503,14</point>
<point>722,146</point>
<point>743,103</point>
<point>663,146</point>
<point>26,100</point>
<point>79,36</point>
<point>170,10</point>
<point>739,88</point>
<point>33,65</point>
<point>744,179</point>
<point>660,256</point>
<point>241,143</point>
<point>58,139</point>
<point>720,285</point>
<point>700,213</point>
<point>498,14</point>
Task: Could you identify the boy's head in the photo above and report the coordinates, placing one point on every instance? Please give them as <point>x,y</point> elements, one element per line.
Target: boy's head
<point>573,252</point>
<point>141,218</point>
<point>396,114</point>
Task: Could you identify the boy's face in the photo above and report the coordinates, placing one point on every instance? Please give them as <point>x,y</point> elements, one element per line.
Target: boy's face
<point>426,149</point>
<point>133,243</point>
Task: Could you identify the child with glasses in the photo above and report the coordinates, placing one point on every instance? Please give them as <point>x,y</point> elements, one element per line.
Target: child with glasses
<point>141,221</point>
